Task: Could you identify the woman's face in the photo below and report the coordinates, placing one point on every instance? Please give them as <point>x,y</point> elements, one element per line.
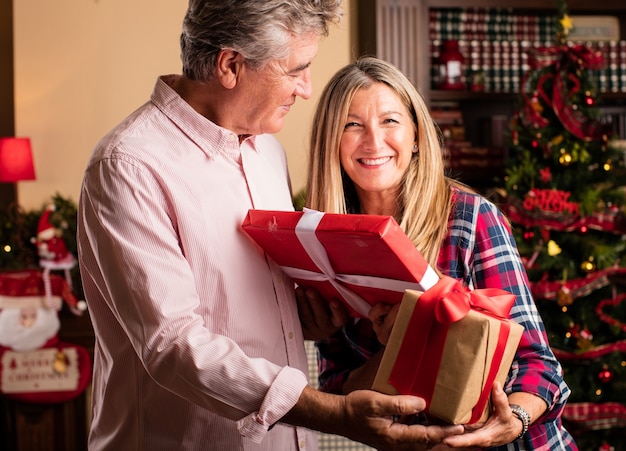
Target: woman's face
<point>377,141</point>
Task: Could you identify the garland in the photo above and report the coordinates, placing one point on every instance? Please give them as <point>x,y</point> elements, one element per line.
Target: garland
<point>609,220</point>
<point>559,99</point>
<point>549,290</point>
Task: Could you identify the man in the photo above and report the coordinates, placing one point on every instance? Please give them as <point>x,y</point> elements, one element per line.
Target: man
<point>198,342</point>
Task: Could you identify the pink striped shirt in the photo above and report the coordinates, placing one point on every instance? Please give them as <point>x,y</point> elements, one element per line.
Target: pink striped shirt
<point>198,342</point>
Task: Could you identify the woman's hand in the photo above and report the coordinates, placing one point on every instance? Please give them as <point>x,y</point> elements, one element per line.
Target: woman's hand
<point>501,428</point>
<point>383,316</point>
<point>320,318</point>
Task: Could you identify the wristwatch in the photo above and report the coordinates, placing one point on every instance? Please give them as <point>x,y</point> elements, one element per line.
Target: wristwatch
<point>523,416</point>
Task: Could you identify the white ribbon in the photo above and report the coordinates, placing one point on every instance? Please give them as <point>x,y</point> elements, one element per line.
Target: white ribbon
<point>305,231</point>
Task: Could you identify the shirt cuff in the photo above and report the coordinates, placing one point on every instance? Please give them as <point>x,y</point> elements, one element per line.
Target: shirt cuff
<point>282,395</point>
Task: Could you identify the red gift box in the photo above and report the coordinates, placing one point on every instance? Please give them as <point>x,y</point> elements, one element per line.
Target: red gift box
<point>360,259</point>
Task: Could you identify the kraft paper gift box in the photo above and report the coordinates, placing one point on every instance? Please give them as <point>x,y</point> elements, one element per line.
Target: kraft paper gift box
<point>360,259</point>
<point>449,346</point>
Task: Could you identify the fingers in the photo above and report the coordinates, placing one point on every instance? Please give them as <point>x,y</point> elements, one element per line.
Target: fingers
<point>499,400</point>
<point>371,415</point>
<point>383,317</point>
<point>378,312</point>
<point>495,432</point>
<point>319,317</point>
<point>339,313</point>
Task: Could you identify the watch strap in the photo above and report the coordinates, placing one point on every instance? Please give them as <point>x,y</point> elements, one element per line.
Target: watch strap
<point>523,416</point>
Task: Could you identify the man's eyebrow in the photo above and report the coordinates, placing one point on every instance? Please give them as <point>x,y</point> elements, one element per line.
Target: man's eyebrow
<point>301,67</point>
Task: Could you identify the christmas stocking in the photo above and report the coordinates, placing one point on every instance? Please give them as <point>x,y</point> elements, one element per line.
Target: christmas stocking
<point>35,366</point>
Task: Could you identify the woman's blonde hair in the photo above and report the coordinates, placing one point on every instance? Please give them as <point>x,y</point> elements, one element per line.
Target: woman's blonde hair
<point>426,200</point>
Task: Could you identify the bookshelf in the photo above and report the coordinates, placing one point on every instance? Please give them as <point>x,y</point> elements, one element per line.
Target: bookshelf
<point>493,35</point>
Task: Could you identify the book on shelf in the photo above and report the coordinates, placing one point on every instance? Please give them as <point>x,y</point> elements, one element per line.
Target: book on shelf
<point>495,44</point>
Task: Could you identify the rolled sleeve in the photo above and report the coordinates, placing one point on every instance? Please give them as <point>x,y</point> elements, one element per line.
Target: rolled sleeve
<point>279,399</point>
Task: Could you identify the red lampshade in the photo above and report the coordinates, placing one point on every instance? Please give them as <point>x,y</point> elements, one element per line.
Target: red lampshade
<point>16,160</point>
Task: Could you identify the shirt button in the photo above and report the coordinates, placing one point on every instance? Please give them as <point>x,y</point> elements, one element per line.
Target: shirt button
<point>290,335</point>
<point>302,444</point>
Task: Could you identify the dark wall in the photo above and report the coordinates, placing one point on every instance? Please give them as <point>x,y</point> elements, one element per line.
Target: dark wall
<point>7,99</point>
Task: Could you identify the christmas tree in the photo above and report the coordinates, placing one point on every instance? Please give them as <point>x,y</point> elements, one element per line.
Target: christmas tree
<point>566,198</point>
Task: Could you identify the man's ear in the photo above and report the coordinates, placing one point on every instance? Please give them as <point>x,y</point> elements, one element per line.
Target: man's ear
<point>228,67</point>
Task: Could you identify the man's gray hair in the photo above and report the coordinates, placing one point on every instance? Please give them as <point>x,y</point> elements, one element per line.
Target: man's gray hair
<point>259,30</point>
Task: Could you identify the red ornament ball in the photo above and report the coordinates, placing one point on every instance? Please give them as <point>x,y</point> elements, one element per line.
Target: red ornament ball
<point>605,376</point>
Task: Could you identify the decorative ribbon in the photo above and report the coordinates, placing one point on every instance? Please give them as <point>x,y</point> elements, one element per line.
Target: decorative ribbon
<point>549,289</point>
<point>588,416</point>
<point>591,354</point>
<point>419,358</point>
<point>606,221</point>
<point>305,231</point>
<point>562,57</point>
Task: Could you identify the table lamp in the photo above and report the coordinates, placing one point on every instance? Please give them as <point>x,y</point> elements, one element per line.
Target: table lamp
<point>16,160</point>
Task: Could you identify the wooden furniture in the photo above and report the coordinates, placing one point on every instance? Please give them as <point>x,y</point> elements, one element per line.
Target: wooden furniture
<point>398,31</point>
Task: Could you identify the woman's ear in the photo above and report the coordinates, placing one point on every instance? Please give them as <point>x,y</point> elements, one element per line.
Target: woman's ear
<point>228,67</point>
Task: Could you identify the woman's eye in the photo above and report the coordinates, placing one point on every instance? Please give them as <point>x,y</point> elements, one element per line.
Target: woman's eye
<point>350,125</point>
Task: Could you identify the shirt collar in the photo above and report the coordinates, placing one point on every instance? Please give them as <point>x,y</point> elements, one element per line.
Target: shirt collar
<point>209,136</point>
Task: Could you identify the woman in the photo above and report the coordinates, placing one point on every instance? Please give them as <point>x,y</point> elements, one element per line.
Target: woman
<point>376,150</point>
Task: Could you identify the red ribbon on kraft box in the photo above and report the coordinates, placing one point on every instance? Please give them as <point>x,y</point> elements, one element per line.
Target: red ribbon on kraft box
<point>416,367</point>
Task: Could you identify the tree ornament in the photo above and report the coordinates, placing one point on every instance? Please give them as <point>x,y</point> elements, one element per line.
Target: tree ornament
<point>566,23</point>
<point>605,375</point>
<point>606,447</point>
<point>566,158</point>
<point>553,248</point>
<point>558,139</point>
<point>545,174</point>
<point>588,265</point>
<point>608,165</point>
<point>535,103</point>
<point>584,340</point>
<point>564,296</point>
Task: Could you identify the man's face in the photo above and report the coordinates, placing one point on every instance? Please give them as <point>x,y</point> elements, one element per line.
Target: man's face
<point>268,93</point>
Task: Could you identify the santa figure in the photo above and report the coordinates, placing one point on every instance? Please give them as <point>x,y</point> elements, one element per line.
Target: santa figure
<point>51,246</point>
<point>28,325</point>
<point>53,254</point>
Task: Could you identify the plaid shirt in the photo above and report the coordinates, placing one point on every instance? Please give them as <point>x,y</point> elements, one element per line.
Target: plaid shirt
<point>480,251</point>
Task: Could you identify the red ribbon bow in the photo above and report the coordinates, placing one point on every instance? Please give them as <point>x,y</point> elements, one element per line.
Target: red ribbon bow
<point>452,300</point>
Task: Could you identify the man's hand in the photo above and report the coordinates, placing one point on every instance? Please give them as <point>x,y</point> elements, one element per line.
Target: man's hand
<point>320,318</point>
<point>369,418</point>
